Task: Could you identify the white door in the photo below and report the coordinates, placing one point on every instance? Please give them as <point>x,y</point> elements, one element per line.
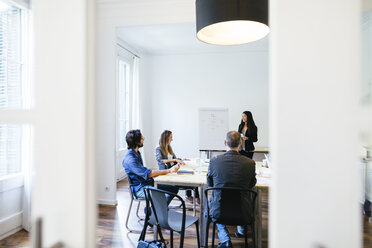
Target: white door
<point>63,185</point>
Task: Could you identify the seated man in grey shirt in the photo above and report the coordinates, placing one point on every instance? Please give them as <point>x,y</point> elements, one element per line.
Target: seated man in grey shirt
<point>230,169</point>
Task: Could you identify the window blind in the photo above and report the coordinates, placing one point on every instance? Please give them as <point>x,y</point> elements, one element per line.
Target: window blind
<point>10,87</point>
<point>10,58</point>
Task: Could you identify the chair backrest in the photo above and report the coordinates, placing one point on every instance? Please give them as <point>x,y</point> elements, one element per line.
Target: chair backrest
<point>131,191</point>
<point>158,201</point>
<point>231,205</point>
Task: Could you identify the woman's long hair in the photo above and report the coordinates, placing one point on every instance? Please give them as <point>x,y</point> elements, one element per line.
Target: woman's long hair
<point>163,142</point>
<point>250,122</point>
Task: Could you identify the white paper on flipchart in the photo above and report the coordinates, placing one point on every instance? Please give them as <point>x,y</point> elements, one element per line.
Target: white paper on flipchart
<point>213,126</point>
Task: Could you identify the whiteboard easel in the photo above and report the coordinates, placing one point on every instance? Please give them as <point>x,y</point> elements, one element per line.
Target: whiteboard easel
<point>213,126</point>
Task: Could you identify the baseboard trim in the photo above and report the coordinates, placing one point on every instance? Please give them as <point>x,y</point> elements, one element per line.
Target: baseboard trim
<point>121,178</point>
<point>10,225</point>
<point>108,202</point>
<point>11,232</point>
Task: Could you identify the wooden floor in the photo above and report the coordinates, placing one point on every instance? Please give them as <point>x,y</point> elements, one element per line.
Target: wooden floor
<point>19,239</point>
<point>111,231</point>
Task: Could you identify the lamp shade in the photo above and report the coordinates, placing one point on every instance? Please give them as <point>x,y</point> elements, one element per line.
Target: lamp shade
<point>231,22</point>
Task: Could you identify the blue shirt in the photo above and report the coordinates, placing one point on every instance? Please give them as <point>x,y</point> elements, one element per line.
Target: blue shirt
<point>134,168</point>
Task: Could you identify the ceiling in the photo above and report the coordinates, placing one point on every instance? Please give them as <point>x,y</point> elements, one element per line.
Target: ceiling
<point>176,39</point>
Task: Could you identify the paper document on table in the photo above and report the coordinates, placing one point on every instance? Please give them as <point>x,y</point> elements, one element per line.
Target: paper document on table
<point>196,162</point>
<point>191,163</point>
<point>263,181</point>
<point>265,172</point>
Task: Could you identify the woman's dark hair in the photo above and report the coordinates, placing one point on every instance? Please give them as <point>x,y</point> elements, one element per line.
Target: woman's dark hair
<point>250,122</point>
<point>133,138</point>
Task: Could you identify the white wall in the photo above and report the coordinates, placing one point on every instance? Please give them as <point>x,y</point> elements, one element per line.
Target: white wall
<point>314,88</point>
<point>178,85</point>
<point>109,17</point>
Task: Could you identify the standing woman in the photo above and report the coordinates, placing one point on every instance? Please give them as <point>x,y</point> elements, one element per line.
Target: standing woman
<point>248,131</point>
<point>167,159</point>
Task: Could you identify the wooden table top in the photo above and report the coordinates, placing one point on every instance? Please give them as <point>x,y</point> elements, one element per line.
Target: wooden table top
<point>201,178</point>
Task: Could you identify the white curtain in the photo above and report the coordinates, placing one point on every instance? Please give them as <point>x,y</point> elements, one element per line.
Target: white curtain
<point>27,153</point>
<point>136,108</point>
<point>136,111</point>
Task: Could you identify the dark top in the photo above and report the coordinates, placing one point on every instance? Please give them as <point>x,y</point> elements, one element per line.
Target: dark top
<point>160,156</point>
<point>230,169</point>
<point>135,170</point>
<point>251,133</point>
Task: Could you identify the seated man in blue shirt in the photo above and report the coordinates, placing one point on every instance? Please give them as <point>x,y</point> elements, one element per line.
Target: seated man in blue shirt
<point>138,173</point>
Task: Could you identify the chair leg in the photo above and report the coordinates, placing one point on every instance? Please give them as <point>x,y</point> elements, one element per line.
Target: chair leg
<point>171,238</point>
<point>253,236</point>
<point>143,233</point>
<point>207,233</point>
<point>197,233</point>
<point>213,233</point>
<point>138,206</point>
<point>182,237</point>
<point>126,222</point>
<point>246,237</point>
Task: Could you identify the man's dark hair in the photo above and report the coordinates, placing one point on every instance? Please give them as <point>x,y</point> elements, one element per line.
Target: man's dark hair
<point>233,139</point>
<point>133,138</point>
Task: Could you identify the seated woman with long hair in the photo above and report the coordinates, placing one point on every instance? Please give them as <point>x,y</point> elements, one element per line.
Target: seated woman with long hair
<point>167,159</point>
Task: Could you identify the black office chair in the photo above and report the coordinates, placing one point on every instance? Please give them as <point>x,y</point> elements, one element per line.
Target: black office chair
<point>163,217</point>
<point>133,198</point>
<point>237,207</point>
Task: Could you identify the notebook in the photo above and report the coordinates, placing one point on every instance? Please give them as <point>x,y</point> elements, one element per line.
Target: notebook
<point>185,172</point>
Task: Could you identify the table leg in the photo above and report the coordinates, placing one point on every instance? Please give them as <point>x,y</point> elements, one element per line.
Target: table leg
<point>155,227</point>
<point>203,221</point>
<point>258,219</point>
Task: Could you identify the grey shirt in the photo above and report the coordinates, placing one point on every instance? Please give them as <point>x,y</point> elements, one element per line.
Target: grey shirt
<point>161,156</point>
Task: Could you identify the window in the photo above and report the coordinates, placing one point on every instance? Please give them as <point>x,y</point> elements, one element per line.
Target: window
<point>125,97</point>
<point>10,142</point>
<point>12,66</point>
<point>14,87</point>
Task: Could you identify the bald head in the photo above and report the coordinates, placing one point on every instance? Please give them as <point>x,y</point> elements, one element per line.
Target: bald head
<point>233,139</point>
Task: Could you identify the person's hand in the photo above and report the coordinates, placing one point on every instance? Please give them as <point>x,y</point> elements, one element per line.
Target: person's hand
<point>174,169</point>
<point>179,161</point>
<point>245,138</point>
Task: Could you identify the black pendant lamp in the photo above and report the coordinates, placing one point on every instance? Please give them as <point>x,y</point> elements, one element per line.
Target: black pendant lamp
<point>231,22</point>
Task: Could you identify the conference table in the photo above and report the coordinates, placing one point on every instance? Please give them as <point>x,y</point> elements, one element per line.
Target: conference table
<point>264,150</point>
<point>199,179</point>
